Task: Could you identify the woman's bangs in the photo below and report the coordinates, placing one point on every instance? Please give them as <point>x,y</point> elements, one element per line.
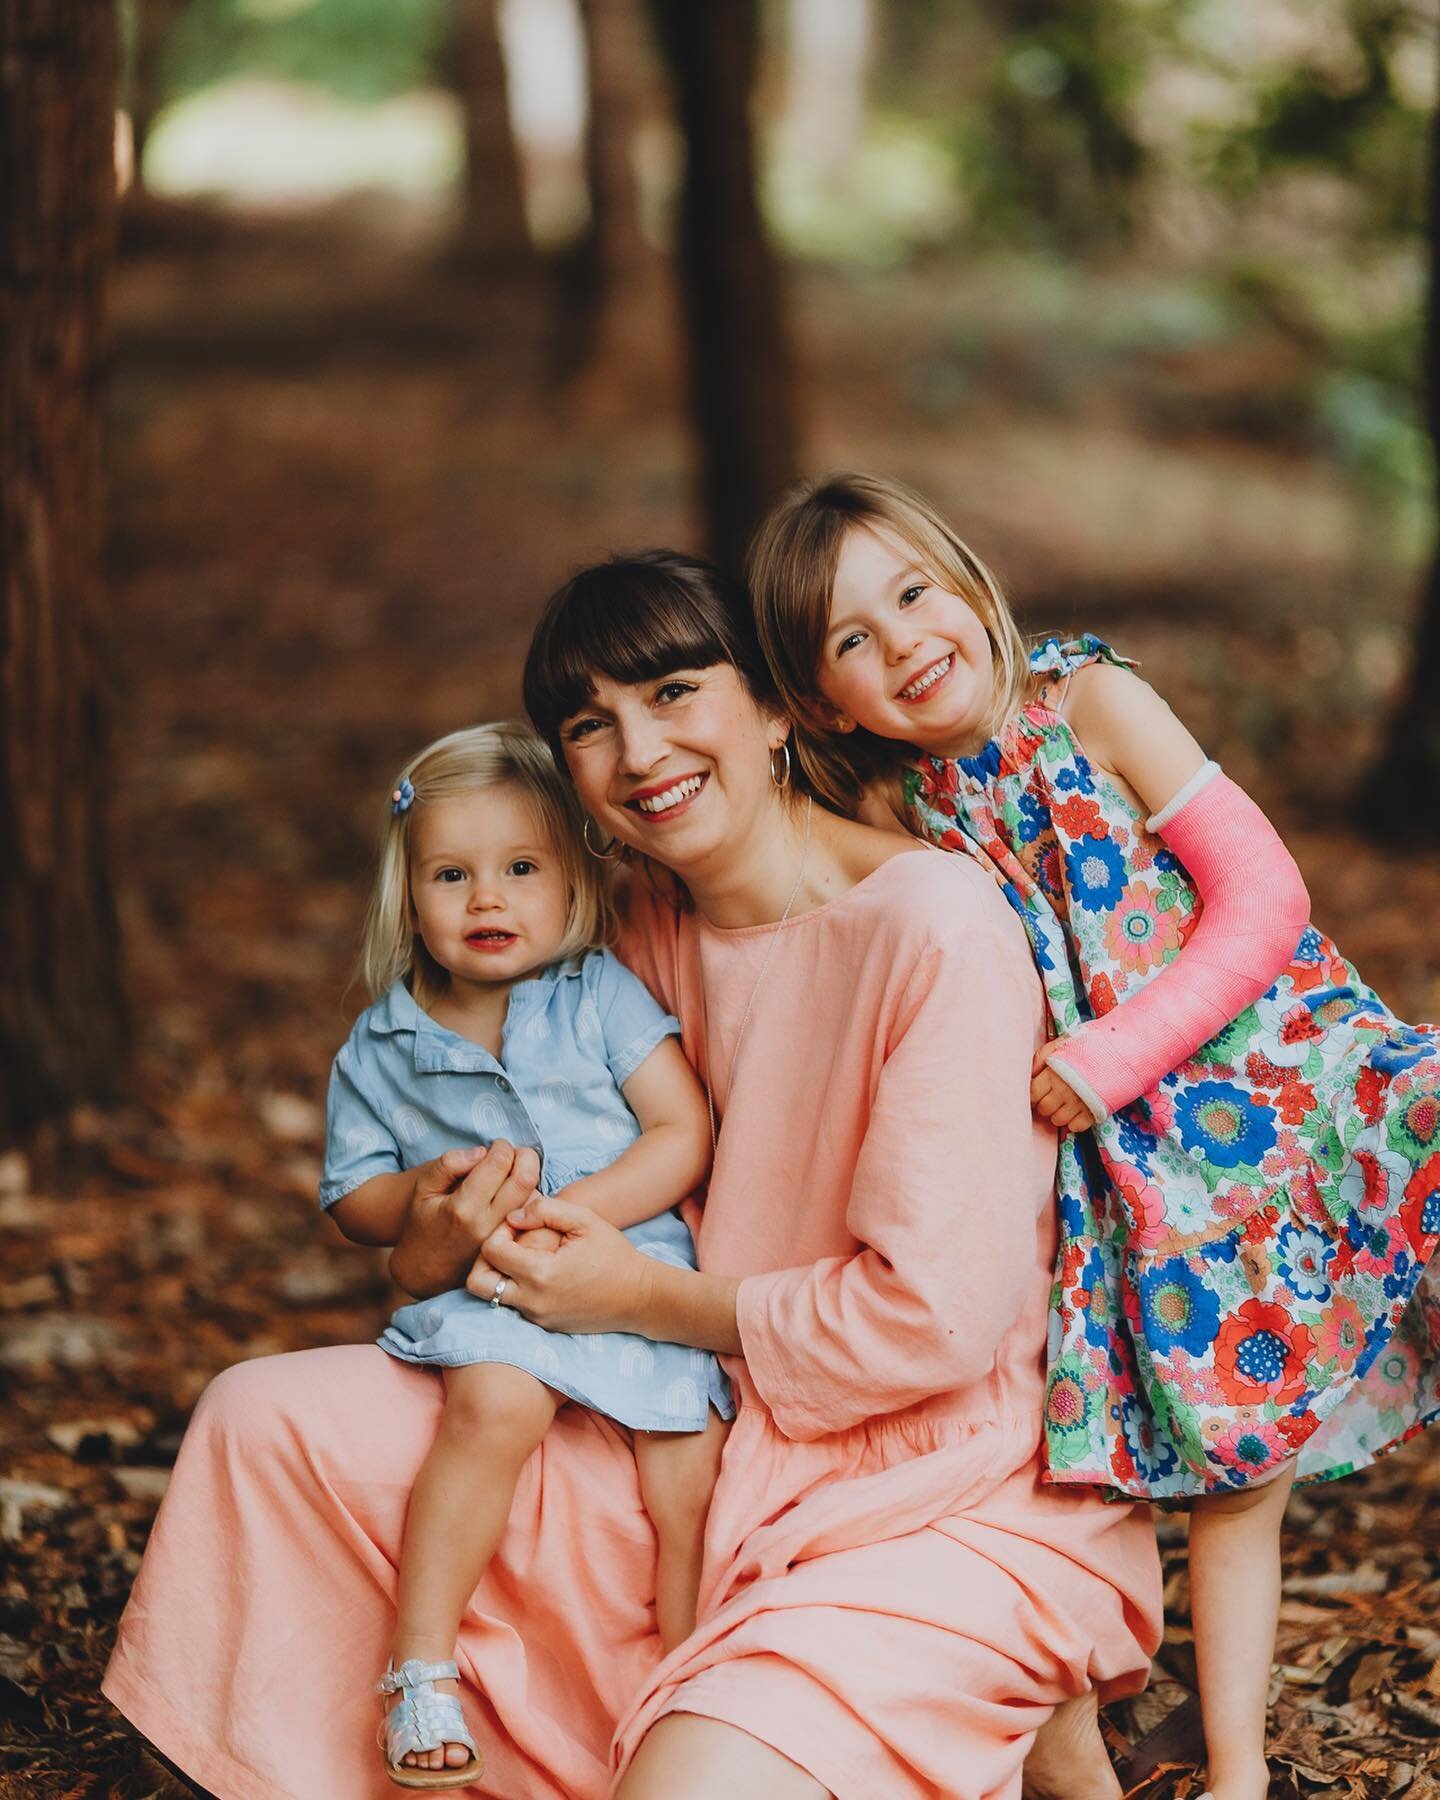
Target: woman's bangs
<point>627,630</point>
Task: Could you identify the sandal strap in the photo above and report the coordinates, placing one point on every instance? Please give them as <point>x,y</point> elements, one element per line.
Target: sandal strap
<point>412,1672</point>
<point>424,1720</point>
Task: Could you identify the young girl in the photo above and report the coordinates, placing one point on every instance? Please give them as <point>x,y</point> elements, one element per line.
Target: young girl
<point>1246,1221</point>
<point>498,1016</point>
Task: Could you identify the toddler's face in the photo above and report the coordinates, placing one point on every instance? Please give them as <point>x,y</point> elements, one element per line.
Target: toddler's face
<point>487,887</point>
<point>903,656</point>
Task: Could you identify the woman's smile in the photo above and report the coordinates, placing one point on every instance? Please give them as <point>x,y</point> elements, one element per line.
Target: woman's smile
<point>669,801</point>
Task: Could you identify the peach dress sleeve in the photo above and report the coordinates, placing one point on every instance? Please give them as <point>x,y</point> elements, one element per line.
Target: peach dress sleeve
<point>892,1597</point>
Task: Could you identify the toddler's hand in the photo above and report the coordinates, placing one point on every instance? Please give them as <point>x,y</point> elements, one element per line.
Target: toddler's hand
<point>539,1237</point>
<point>1053,1098</point>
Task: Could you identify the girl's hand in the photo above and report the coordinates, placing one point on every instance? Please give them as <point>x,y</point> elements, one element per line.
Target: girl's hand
<point>459,1200</point>
<point>594,1280</point>
<point>1053,1098</point>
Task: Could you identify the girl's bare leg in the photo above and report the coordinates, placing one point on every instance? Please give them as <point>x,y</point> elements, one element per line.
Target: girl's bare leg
<point>687,1757</point>
<point>494,1418</point>
<point>677,1477</point>
<point>1234,1607</point>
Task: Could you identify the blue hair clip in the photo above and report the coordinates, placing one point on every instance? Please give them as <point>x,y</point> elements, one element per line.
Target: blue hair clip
<point>404,796</point>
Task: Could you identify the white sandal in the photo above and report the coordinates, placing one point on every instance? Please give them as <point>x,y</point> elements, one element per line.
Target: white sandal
<point>424,1720</point>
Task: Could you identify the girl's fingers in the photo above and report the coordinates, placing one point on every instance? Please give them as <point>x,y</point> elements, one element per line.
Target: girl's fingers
<point>549,1209</point>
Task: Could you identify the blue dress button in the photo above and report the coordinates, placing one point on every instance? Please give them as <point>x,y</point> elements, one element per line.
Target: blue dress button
<point>503,1085</point>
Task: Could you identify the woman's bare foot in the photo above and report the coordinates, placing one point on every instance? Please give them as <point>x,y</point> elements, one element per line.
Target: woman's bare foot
<point>1068,1760</point>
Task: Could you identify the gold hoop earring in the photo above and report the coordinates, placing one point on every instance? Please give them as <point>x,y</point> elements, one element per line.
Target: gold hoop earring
<point>782,779</point>
<point>613,851</point>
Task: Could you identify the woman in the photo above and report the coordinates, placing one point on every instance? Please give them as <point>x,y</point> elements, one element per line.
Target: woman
<point>891,1603</point>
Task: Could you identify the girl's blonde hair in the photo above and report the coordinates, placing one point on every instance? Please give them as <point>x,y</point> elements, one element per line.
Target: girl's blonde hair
<point>792,567</point>
<point>507,754</point>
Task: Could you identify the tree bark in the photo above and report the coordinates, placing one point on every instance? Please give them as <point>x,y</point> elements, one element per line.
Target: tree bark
<point>493,231</point>
<point>61,1015</point>
<point>1401,799</point>
<point>740,375</point>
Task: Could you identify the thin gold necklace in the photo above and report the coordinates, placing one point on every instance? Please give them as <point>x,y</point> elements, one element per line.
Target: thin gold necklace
<point>749,1004</point>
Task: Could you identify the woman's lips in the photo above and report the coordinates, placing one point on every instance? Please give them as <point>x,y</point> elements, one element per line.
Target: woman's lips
<point>660,804</point>
<point>907,695</point>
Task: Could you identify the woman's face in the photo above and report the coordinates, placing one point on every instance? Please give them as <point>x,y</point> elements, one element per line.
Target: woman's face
<point>902,655</point>
<point>677,767</point>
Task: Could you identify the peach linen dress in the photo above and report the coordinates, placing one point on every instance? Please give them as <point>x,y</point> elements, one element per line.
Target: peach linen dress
<point>891,1597</point>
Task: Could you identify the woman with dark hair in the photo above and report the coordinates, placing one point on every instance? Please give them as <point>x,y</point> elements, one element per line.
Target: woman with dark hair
<point>892,1604</point>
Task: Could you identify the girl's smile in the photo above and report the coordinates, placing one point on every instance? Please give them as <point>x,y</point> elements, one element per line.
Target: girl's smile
<point>902,655</point>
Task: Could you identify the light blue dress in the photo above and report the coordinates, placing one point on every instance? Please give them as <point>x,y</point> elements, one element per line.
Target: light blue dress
<point>404,1089</point>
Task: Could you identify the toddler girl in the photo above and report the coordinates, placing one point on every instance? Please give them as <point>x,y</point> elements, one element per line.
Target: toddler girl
<point>499,1016</point>
<point>1249,1170</point>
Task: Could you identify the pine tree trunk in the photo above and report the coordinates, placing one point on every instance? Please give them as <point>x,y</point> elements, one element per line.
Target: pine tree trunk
<point>61,1018</point>
<point>493,231</point>
<point>1401,799</point>
<point>740,377</point>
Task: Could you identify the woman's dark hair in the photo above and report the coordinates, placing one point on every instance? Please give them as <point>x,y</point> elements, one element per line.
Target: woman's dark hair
<point>636,618</point>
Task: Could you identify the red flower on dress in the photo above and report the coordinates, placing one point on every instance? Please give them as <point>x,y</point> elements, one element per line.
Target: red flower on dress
<point>1370,1094</point>
<point>1078,817</point>
<point>1261,1353</point>
<point>1102,996</point>
<point>1421,1210</point>
<point>1263,1072</point>
<point>1295,1101</point>
<point>1296,1427</point>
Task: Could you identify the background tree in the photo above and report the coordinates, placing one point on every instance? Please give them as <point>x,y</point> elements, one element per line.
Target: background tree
<point>60,1002</point>
<point>493,231</point>
<point>1403,796</point>
<point>739,364</point>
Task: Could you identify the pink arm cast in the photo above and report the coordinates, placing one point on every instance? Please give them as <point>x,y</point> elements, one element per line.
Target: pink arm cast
<point>1253,908</point>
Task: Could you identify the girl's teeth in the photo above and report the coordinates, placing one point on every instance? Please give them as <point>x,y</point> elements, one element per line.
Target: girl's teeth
<point>682,790</point>
<point>917,688</point>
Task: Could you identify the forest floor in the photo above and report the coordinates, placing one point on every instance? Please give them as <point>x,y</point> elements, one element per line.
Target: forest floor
<point>344,479</point>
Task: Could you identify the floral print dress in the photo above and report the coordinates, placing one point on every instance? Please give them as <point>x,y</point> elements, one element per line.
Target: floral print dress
<point>1244,1274</point>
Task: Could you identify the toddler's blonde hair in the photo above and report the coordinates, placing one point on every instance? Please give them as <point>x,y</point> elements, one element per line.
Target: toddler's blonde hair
<point>506,754</point>
<point>792,567</point>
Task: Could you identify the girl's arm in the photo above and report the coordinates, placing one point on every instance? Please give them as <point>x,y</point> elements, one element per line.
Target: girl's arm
<point>1253,900</point>
<point>669,1159</point>
<point>374,1213</point>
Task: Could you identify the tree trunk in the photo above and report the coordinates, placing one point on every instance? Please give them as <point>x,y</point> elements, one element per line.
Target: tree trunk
<point>493,232</point>
<point>1401,799</point>
<point>740,378</point>
<point>152,23</point>
<point>61,1017</point>
<point>622,303</point>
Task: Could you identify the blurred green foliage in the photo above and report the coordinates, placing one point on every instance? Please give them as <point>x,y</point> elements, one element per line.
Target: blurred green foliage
<point>1268,157</point>
<point>359,49</point>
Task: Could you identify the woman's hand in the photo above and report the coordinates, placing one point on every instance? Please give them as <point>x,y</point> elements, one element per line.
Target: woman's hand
<point>459,1200</point>
<point>594,1280</point>
<point>1053,1098</point>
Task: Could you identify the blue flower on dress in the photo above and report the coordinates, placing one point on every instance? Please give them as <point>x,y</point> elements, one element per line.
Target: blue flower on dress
<point>1154,1455</point>
<point>1077,776</point>
<point>1311,948</point>
<point>1095,873</point>
<point>1401,1277</point>
<point>1034,817</point>
<point>1305,1256</point>
<point>1099,1318</point>
<point>985,766</point>
<point>1136,1141</point>
<point>1401,1049</point>
<point>1220,1250</point>
<point>1224,1123</point>
<point>1177,1309</point>
<point>1072,1215</point>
